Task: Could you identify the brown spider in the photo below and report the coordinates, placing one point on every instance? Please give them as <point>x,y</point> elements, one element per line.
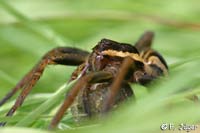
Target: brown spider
<point>103,75</point>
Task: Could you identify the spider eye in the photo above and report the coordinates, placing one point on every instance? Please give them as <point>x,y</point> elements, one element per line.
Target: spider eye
<point>99,57</point>
<point>99,62</point>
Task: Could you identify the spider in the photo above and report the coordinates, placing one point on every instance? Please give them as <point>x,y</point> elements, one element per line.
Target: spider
<point>103,75</point>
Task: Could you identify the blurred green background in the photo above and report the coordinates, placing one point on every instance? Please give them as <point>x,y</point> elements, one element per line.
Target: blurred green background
<point>30,28</point>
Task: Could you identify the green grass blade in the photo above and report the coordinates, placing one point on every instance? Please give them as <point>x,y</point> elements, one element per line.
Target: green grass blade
<point>31,117</point>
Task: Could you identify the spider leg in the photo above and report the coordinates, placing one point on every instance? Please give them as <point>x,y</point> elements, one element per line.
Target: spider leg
<point>145,41</point>
<point>15,89</point>
<point>93,77</point>
<point>154,64</point>
<point>125,67</point>
<point>60,55</point>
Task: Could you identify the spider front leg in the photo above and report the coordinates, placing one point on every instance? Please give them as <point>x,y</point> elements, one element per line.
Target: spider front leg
<point>60,55</point>
<point>154,64</point>
<point>93,77</point>
<point>145,42</point>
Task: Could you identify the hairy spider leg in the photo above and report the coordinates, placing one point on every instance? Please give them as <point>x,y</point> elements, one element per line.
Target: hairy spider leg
<point>60,55</point>
<point>154,64</point>
<point>17,87</point>
<point>144,42</point>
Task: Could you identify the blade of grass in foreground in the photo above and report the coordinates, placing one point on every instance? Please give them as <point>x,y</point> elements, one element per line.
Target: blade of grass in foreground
<point>31,117</point>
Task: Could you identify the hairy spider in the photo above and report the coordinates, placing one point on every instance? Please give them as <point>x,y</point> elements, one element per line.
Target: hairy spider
<point>103,75</point>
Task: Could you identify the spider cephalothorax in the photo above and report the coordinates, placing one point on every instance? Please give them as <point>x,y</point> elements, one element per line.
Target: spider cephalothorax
<point>103,76</point>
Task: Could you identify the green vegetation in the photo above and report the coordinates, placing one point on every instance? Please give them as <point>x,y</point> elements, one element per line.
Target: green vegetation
<point>30,28</point>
